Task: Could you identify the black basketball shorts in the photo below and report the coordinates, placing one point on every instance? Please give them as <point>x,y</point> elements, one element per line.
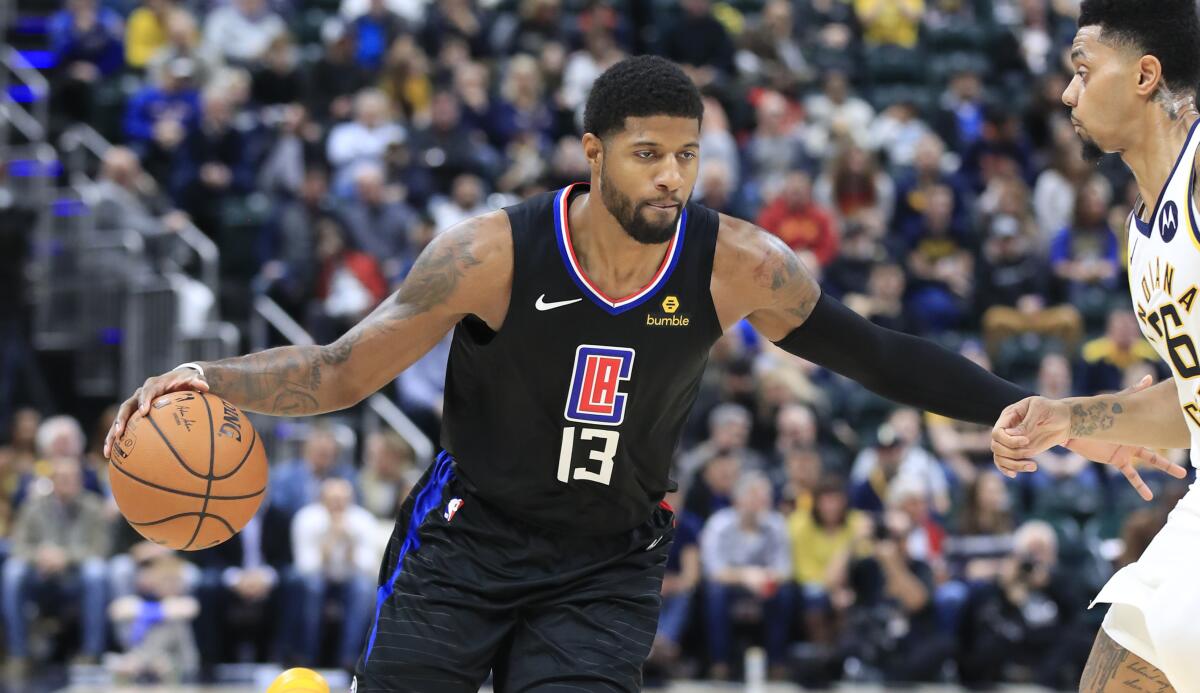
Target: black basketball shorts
<point>470,591</point>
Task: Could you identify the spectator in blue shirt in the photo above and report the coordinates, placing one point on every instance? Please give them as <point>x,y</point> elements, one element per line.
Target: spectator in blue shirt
<point>87,39</point>
<point>1084,255</point>
<point>161,114</point>
<point>375,31</point>
<point>746,554</point>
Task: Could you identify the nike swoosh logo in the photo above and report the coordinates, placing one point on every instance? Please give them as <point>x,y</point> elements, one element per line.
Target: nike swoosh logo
<point>541,304</point>
<point>653,543</point>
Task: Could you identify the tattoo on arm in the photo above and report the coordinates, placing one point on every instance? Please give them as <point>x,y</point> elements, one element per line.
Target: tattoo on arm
<point>1109,662</point>
<point>295,380</point>
<point>781,272</point>
<point>435,275</point>
<point>283,381</point>
<point>1099,416</point>
<point>1102,665</point>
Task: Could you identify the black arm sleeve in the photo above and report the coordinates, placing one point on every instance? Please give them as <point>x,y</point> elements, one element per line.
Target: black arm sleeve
<point>902,368</point>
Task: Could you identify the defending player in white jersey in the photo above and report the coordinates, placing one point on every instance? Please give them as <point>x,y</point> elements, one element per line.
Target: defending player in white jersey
<point>1137,66</point>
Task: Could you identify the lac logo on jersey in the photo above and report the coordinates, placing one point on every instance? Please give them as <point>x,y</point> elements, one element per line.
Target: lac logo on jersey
<point>668,318</point>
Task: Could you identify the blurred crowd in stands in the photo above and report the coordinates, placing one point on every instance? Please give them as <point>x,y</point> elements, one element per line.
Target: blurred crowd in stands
<point>914,153</point>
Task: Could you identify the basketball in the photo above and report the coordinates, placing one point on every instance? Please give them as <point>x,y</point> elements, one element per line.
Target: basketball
<point>191,473</point>
<point>299,680</point>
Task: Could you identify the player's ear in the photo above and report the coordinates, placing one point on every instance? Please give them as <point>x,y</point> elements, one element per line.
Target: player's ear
<point>1149,76</point>
<point>593,149</point>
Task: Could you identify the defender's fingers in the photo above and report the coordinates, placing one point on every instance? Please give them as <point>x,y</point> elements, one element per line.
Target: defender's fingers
<point>1008,438</point>
<point>1011,416</point>
<point>1135,480</point>
<point>1014,464</point>
<point>1161,463</point>
<point>1003,451</point>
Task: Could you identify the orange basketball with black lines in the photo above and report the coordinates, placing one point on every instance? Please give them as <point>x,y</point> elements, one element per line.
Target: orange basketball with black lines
<point>191,473</point>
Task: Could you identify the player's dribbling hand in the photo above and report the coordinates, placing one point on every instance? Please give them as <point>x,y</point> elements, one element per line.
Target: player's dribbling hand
<point>139,403</point>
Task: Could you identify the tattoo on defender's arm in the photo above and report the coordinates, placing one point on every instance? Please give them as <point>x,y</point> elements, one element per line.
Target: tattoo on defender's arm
<point>1099,416</point>
<point>289,380</point>
<point>1102,665</point>
<point>1110,662</point>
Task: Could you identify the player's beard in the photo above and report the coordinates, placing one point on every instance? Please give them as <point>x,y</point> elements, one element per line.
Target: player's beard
<point>1091,151</point>
<point>630,216</point>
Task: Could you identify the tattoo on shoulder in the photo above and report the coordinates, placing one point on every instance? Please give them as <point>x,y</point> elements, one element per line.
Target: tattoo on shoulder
<point>437,272</point>
<point>775,270</point>
<point>432,279</point>
<point>780,271</point>
<point>1099,416</point>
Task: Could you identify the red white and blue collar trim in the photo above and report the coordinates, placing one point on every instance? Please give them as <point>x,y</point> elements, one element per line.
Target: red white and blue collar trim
<point>614,306</point>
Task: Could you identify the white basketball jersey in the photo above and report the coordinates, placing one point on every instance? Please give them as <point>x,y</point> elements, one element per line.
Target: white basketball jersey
<point>1164,280</point>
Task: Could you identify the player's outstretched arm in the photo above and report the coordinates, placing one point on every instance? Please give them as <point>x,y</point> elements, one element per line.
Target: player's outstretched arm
<point>465,270</point>
<point>756,275</point>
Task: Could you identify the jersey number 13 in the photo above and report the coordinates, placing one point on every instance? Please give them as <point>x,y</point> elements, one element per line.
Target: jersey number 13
<point>595,398</point>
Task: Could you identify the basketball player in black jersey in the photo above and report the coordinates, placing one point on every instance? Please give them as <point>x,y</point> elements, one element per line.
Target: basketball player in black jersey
<point>534,546</point>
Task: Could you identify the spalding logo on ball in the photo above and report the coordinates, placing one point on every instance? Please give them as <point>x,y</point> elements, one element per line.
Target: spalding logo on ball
<point>191,473</point>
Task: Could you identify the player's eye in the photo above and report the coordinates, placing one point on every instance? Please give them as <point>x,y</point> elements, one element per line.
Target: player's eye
<point>1081,73</point>
<point>688,155</point>
<point>644,154</point>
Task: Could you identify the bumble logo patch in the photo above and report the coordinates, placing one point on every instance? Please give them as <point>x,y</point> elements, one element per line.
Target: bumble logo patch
<point>668,318</point>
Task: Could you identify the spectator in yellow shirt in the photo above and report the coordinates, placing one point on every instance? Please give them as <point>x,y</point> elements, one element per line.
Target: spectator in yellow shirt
<point>823,540</point>
<point>890,22</point>
<point>146,31</point>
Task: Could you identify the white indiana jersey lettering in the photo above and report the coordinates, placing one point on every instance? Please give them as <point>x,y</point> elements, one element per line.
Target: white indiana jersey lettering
<point>1154,603</point>
<point>1164,281</point>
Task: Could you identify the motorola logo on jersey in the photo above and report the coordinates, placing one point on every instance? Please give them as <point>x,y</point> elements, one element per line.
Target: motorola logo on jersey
<point>596,380</point>
<point>1169,221</point>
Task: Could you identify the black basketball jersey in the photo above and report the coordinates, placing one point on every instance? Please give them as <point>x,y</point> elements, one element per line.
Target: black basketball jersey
<point>569,415</point>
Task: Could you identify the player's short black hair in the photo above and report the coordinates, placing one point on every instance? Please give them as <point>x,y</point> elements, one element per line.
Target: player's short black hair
<point>639,87</point>
<point>1167,29</point>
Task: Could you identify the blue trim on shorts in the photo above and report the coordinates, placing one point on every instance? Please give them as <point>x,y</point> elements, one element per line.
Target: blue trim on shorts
<point>427,500</point>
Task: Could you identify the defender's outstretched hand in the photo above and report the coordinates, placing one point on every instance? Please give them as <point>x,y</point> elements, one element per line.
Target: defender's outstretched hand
<point>1126,458</point>
<point>1037,424</point>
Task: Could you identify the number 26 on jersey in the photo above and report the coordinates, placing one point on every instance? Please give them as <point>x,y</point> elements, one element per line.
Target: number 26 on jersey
<point>595,398</point>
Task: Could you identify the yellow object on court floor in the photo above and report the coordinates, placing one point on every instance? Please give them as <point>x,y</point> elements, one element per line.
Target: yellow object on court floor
<point>299,680</point>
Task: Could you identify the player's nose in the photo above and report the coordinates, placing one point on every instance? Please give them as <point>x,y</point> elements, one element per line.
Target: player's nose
<point>670,178</point>
<point>1070,93</point>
